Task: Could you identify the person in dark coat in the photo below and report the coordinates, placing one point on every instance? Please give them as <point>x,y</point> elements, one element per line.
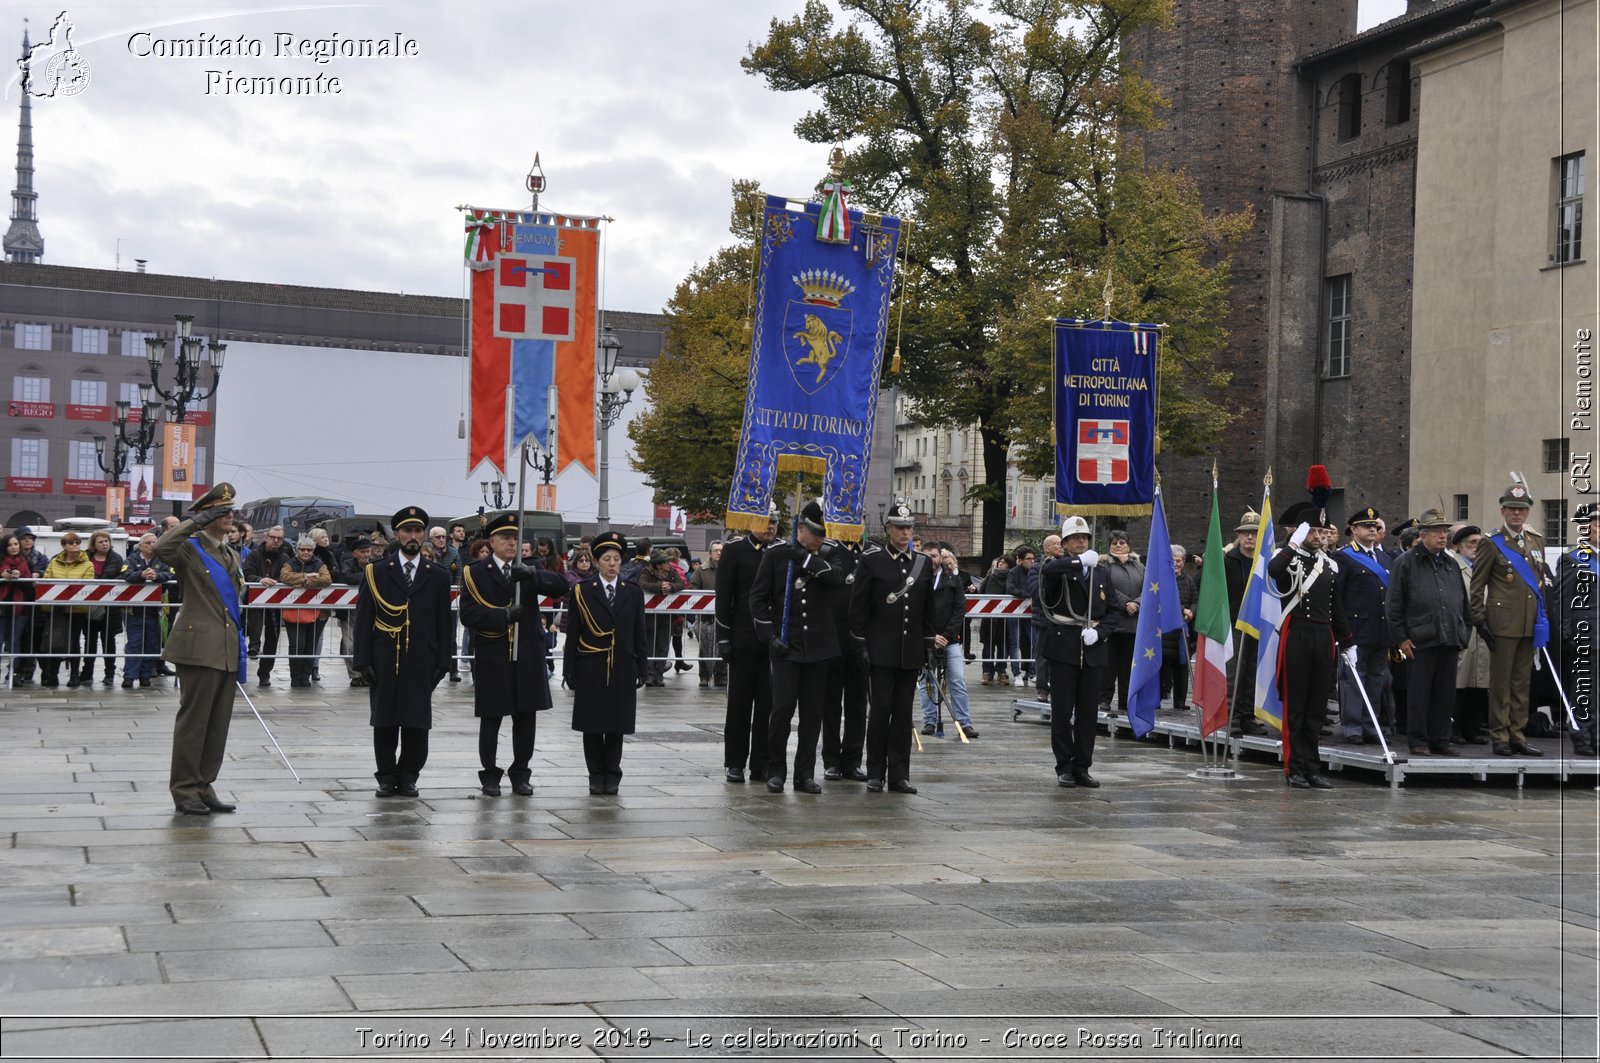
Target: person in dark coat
<point>352,573</point>
<point>1429,620</point>
<point>264,626</point>
<point>1238,560</point>
<point>1075,598</point>
<point>1363,584</point>
<point>794,605</point>
<point>844,703</point>
<point>1177,647</point>
<point>744,731</point>
<point>403,649</point>
<point>606,661</point>
<point>501,594</point>
<point>891,624</point>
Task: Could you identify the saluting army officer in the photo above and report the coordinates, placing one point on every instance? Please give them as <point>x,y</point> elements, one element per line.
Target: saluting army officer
<point>1509,581</point>
<point>744,732</point>
<point>891,622</point>
<point>794,605</point>
<point>500,686</point>
<point>1075,597</point>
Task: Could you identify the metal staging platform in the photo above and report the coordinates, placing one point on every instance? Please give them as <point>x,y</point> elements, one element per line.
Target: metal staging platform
<point>1476,762</point>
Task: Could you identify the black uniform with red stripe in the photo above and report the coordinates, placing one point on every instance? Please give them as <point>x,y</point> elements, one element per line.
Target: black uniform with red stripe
<point>1309,640</point>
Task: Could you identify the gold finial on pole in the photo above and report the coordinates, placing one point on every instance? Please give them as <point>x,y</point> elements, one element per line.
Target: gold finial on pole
<point>1266,481</point>
<point>836,161</point>
<point>1106,293</point>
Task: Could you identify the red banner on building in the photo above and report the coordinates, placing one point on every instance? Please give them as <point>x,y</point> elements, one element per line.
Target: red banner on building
<point>76,412</point>
<point>28,485</point>
<point>83,487</point>
<point>41,410</point>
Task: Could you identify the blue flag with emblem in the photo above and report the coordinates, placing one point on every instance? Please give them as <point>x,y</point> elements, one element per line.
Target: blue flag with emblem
<point>1105,417</point>
<point>821,316</point>
<point>1160,611</point>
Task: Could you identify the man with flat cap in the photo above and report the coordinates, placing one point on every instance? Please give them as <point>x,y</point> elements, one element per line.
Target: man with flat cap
<point>1363,581</point>
<point>891,624</point>
<point>1578,599</point>
<point>606,660</point>
<point>206,645</point>
<point>1509,581</point>
<point>500,601</point>
<point>749,706</point>
<point>794,606</point>
<point>403,649</point>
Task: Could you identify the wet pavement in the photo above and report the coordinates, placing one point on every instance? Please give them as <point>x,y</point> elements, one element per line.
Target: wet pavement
<point>991,915</point>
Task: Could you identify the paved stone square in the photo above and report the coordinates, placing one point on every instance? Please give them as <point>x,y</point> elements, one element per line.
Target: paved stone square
<point>1159,915</point>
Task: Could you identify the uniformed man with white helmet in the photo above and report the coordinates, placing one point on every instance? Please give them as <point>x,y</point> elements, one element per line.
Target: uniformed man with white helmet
<point>1075,598</point>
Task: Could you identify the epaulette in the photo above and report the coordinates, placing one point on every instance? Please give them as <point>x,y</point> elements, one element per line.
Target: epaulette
<point>735,539</point>
<point>871,548</point>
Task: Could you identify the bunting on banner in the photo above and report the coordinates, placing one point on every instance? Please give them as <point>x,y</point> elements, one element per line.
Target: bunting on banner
<point>535,285</point>
<point>821,315</point>
<point>1105,417</point>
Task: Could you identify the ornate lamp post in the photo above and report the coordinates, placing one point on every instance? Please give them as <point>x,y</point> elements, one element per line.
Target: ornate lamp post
<point>616,391</point>
<point>119,458</point>
<point>186,387</point>
<point>498,493</point>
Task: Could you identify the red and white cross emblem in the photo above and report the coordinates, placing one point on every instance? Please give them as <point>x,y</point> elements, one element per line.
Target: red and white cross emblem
<point>1103,452</point>
<point>534,297</point>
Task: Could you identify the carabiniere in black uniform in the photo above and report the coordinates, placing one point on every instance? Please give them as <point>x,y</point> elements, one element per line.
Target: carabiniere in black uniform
<point>794,605</point>
<point>744,731</point>
<point>1074,599</point>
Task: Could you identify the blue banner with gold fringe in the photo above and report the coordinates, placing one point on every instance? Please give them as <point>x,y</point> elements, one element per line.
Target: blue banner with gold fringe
<point>1105,417</point>
<point>821,317</point>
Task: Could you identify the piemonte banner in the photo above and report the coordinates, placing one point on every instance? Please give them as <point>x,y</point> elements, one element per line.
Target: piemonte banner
<point>1105,417</point>
<point>534,305</point>
<point>821,315</point>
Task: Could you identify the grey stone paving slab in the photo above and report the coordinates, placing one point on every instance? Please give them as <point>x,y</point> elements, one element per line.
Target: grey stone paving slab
<point>190,998</point>
<point>221,1039</point>
<point>543,900</point>
<point>1529,1035</point>
<point>787,948</point>
<point>208,965</point>
<point>1353,997</point>
<point>293,908</point>
<point>1034,941</point>
<point>531,952</point>
<point>1309,938</point>
<point>17,944</point>
<point>1076,969</point>
<point>786,979</point>
<point>894,918</point>
<point>77,971</point>
<point>1467,933</point>
<point>87,915</point>
<point>384,992</point>
<point>686,924</point>
<point>452,929</point>
<point>180,937</point>
<point>200,889</point>
<point>460,1033</point>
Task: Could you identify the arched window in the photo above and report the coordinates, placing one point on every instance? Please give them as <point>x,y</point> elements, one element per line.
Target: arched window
<point>1397,93</point>
<point>1348,93</point>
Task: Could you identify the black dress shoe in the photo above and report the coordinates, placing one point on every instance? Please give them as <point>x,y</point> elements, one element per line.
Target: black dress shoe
<point>733,775</point>
<point>874,786</point>
<point>194,807</point>
<point>597,788</point>
<point>902,786</point>
<point>927,728</point>
<point>1502,749</point>
<point>757,776</point>
<point>775,784</point>
<point>522,787</point>
<point>406,789</point>
<point>1083,778</point>
<point>384,789</point>
<point>455,677</point>
<point>263,682</point>
<point>833,774</point>
<point>490,789</point>
<point>72,681</point>
<point>144,683</point>
<point>107,680</point>
<point>127,684</point>
<point>969,730</point>
<point>610,788</point>
<point>1523,749</point>
<point>808,786</point>
<point>1355,740</point>
<point>1253,727</point>
<point>856,775</point>
<point>1299,782</point>
<point>218,806</point>
<point>1066,781</point>
<point>1317,782</point>
<point>1421,751</point>
<point>1444,751</point>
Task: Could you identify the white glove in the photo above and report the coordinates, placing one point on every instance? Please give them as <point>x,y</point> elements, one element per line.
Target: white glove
<point>1090,636</point>
<point>1089,559</point>
<point>1300,534</point>
<point>1350,658</point>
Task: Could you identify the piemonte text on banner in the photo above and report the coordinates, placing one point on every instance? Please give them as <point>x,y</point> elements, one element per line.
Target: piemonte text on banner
<point>535,284</point>
<point>1105,417</point>
<point>821,316</point>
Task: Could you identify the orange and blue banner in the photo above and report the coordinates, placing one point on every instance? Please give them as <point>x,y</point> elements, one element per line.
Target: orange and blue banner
<point>1105,417</point>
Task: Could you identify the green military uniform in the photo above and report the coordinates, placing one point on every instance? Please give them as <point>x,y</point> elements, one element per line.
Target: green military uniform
<point>1508,608</point>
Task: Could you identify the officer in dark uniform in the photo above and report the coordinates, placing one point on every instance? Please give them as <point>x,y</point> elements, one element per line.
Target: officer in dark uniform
<point>794,605</point>
<point>1306,578</point>
<point>744,732</point>
<point>1509,581</point>
<point>844,703</point>
<point>1238,561</point>
<point>891,622</point>
<point>491,607</point>
<point>1578,607</point>
<point>607,661</point>
<point>1363,582</point>
<point>403,648</point>
<point>1074,597</point>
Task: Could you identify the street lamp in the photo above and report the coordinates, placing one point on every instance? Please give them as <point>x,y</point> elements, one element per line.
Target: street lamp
<point>119,458</point>
<point>616,391</point>
<point>143,439</point>
<point>499,493</point>
<point>186,387</point>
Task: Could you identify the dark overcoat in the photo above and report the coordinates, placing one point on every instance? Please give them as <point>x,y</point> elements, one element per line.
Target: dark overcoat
<point>896,634</point>
<point>604,656</point>
<point>1069,588</point>
<point>736,578</point>
<point>501,686</point>
<point>402,632</point>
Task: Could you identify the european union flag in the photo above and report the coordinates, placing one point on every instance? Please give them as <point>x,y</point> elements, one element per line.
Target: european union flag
<point>1160,611</point>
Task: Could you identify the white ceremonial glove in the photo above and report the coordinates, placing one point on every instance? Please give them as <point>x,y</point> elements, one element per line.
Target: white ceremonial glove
<point>1300,534</point>
<point>1350,658</point>
<point>1089,559</point>
<point>1090,636</point>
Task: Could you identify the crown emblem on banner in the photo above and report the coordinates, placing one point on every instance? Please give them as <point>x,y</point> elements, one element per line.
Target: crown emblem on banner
<point>823,287</point>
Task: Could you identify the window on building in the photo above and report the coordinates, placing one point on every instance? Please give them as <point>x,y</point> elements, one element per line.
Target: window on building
<point>1569,209</point>
<point>1461,507</point>
<point>89,392</point>
<point>200,470</point>
<point>128,391</point>
<point>1348,93</point>
<point>1555,522</point>
<point>33,337</point>
<point>90,340</point>
<point>1397,92</point>
<point>30,389</point>
<point>29,456</point>
<point>1027,503</point>
<point>80,460</point>
<point>133,343</point>
<point>1336,360</point>
<point>1557,452</point>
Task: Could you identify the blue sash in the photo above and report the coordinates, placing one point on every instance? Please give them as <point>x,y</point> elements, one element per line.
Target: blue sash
<point>1519,565</point>
<point>1369,563</point>
<point>229,595</point>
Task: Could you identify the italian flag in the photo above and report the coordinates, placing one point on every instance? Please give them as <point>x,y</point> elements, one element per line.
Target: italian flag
<point>1214,631</point>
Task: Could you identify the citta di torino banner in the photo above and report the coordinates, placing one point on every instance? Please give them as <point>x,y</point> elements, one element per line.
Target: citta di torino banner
<point>1105,417</point>
<point>822,312</point>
